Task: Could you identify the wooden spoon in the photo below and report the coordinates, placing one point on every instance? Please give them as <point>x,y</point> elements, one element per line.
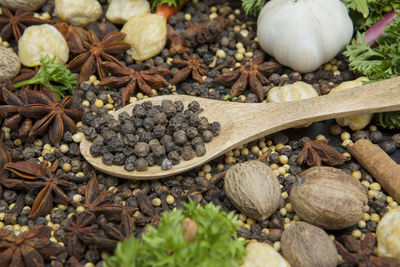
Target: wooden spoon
<point>242,123</point>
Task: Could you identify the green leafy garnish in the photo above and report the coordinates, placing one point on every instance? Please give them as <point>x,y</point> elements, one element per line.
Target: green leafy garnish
<point>364,13</point>
<point>215,244</point>
<point>378,63</point>
<point>252,7</point>
<point>175,3</point>
<point>53,76</point>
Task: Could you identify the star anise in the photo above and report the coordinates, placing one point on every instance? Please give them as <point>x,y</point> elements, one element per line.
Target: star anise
<point>189,66</point>
<point>250,74</point>
<point>96,52</point>
<point>144,80</point>
<point>206,32</point>
<point>16,24</point>
<point>12,111</point>
<point>51,115</point>
<point>361,253</point>
<point>74,37</point>
<point>80,232</point>
<point>100,203</point>
<point>39,176</point>
<point>317,151</point>
<point>176,45</point>
<point>31,248</point>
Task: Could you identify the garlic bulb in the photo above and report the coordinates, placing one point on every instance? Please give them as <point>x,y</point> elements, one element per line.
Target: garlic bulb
<point>354,122</point>
<point>304,34</point>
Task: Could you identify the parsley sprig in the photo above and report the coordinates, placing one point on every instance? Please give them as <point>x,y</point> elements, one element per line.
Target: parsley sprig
<point>215,246</point>
<point>175,3</point>
<point>378,63</point>
<point>53,76</point>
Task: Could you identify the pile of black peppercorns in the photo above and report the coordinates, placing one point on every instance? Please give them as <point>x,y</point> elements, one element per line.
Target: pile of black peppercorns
<point>153,135</point>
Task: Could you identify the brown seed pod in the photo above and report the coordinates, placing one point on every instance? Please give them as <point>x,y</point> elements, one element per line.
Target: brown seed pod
<point>305,245</point>
<point>253,189</point>
<point>329,198</point>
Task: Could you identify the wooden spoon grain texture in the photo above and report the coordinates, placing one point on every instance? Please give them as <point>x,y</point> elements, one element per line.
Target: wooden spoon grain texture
<point>242,122</point>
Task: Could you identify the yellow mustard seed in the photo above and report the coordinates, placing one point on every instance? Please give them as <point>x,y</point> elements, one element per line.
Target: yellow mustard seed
<point>277,245</point>
<point>356,233</point>
<point>361,224</point>
<point>156,202</point>
<point>284,195</point>
<point>393,204</point>
<point>265,231</point>
<point>242,217</point>
<point>356,174</point>
<point>345,136</point>
<point>80,209</point>
<point>170,199</point>
<point>283,159</point>
<point>375,217</point>
<point>375,186</point>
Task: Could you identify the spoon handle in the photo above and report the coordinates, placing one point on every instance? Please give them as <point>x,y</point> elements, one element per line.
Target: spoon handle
<point>369,98</point>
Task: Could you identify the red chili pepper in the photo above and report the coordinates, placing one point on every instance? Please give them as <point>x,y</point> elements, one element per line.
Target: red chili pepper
<point>167,11</point>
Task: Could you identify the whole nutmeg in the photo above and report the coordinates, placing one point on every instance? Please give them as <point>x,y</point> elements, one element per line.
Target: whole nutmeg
<point>253,189</point>
<point>305,245</point>
<point>23,5</point>
<point>9,63</point>
<point>329,198</point>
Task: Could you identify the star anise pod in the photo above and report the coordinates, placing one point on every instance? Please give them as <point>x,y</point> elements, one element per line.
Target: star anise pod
<point>189,66</point>
<point>16,24</point>
<point>176,45</point>
<point>52,116</point>
<point>144,80</point>
<point>96,52</point>
<point>204,33</point>
<point>317,151</point>
<point>250,74</point>
<point>74,37</point>
<point>116,232</point>
<point>80,232</point>
<point>100,203</point>
<point>31,248</point>
<point>12,111</point>
<point>361,253</point>
<point>39,176</point>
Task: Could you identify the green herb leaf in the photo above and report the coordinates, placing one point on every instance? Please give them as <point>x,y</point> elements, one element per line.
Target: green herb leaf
<point>54,76</point>
<point>378,63</point>
<point>215,245</point>
<point>360,6</point>
<point>175,3</point>
<point>252,7</point>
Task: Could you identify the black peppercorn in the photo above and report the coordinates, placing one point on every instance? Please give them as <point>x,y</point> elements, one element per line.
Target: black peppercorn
<point>160,119</point>
<point>207,136</point>
<point>376,137</point>
<point>180,137</point>
<point>359,135</point>
<point>174,157</point>
<point>389,147</point>
<point>192,132</point>
<point>96,150</point>
<point>396,140</point>
<point>148,124</point>
<point>119,159</point>
<point>141,164</point>
<point>203,124</point>
<point>194,106</point>
<point>141,149</point>
<point>335,130</point>
<point>188,153</point>
<point>108,158</point>
<point>200,150</point>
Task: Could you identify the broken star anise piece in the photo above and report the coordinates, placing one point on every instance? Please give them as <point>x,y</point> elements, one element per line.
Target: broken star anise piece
<point>51,115</point>
<point>317,151</point>
<point>31,248</point>
<point>189,65</point>
<point>100,203</point>
<point>144,80</point>
<point>16,24</point>
<point>74,37</point>
<point>96,52</point>
<point>176,45</point>
<point>250,74</point>
<point>39,176</point>
<point>204,33</point>
<point>80,232</point>
<point>361,252</point>
<point>12,111</point>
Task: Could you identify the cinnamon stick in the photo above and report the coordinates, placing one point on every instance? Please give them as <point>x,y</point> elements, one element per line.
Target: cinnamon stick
<point>385,170</point>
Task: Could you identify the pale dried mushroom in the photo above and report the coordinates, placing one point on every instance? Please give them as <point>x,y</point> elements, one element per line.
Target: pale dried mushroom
<point>78,12</point>
<point>24,5</point>
<point>305,245</point>
<point>146,34</point>
<point>39,41</point>
<point>354,122</point>
<point>253,189</point>
<point>9,63</point>
<point>329,198</point>
<point>388,235</point>
<point>262,255</point>
<point>120,11</point>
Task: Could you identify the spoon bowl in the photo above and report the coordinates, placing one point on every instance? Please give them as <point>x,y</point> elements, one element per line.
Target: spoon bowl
<point>242,122</point>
